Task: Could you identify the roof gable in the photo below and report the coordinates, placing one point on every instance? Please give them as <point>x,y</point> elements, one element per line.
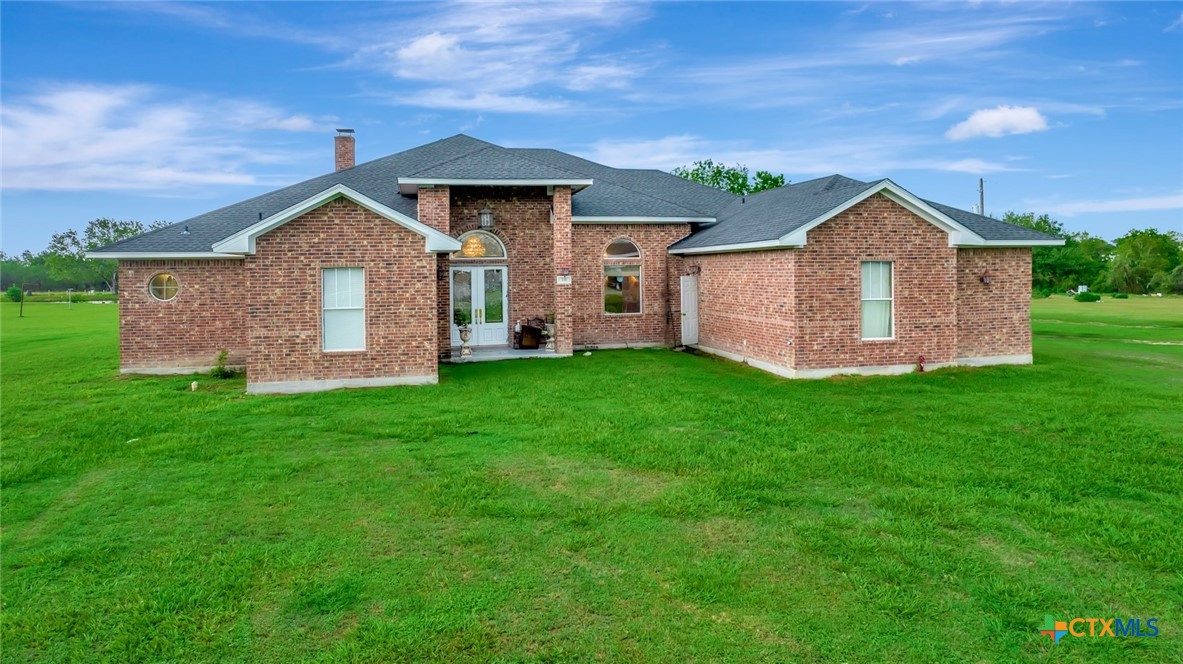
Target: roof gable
<point>783,217</point>
<point>243,242</point>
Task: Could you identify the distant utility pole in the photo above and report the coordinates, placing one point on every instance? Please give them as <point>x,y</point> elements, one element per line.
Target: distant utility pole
<point>981,197</point>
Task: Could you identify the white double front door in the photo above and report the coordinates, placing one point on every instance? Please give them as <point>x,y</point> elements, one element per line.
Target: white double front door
<point>480,296</point>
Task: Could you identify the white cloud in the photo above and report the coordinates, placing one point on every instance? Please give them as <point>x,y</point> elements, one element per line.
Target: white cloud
<point>1068,209</point>
<point>499,58</point>
<point>1174,26</point>
<point>134,137</point>
<point>465,100</point>
<point>996,122</point>
<point>906,60</point>
<point>974,166</point>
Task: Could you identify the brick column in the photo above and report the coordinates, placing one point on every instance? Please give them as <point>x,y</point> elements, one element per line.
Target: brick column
<point>564,297</point>
<point>435,210</point>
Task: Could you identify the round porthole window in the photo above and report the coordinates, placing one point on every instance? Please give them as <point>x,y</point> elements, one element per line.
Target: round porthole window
<point>163,287</point>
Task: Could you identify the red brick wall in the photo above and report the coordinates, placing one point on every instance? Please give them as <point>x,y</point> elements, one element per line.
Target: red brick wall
<point>746,304</point>
<point>564,293</point>
<point>207,316</point>
<point>994,319</point>
<point>343,152</point>
<point>521,217</point>
<point>284,279</point>
<point>435,210</point>
<point>653,324</point>
<point>829,286</point>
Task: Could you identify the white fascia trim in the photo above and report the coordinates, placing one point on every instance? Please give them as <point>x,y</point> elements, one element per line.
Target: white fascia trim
<point>300,386</point>
<point>243,242</point>
<point>729,248</point>
<point>153,255</point>
<point>1015,243</point>
<point>642,220</point>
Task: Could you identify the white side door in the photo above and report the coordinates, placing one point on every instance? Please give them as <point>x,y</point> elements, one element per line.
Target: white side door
<point>689,310</point>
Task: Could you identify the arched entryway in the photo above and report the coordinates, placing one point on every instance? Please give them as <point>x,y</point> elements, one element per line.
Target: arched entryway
<point>480,289</point>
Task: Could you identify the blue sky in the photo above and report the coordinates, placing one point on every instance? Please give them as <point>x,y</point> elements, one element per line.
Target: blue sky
<point>162,111</point>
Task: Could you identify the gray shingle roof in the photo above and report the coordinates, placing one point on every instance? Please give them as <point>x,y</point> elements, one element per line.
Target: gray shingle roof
<point>989,228</point>
<point>615,192</point>
<point>607,199</point>
<point>375,179</point>
<point>771,214</point>
<point>495,163</point>
<point>684,194</point>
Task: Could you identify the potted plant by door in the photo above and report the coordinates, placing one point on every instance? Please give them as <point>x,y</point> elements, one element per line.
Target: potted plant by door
<point>462,320</point>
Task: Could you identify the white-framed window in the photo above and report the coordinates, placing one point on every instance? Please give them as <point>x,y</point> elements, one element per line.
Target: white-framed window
<point>877,302</point>
<point>622,277</point>
<point>343,298</point>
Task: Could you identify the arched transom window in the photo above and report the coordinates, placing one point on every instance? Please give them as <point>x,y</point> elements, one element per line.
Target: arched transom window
<point>622,277</point>
<point>621,248</point>
<point>479,244</point>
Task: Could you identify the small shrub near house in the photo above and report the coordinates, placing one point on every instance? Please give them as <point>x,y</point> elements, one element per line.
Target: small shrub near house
<point>1088,297</point>
<point>220,369</point>
<point>1041,293</point>
<point>1121,296</point>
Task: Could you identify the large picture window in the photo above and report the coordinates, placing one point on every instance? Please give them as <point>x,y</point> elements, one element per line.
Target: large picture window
<point>622,278</point>
<point>344,302</point>
<point>877,301</point>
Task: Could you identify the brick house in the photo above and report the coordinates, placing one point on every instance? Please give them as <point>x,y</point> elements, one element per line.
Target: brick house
<point>356,278</point>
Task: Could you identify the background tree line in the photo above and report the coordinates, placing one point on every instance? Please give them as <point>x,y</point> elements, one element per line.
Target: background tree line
<point>1141,261</point>
<point>64,263</point>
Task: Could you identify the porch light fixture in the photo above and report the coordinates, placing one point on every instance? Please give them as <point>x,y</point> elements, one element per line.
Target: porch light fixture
<point>986,277</point>
<point>486,217</point>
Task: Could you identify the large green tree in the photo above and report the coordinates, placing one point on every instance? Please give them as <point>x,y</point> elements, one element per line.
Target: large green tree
<point>67,250</point>
<point>730,178</point>
<point>1146,261</point>
<point>1082,259</point>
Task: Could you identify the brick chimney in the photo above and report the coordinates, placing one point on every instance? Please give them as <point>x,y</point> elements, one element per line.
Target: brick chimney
<point>343,145</point>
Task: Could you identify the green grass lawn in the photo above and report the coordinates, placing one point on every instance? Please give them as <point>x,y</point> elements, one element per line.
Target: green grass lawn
<point>631,505</point>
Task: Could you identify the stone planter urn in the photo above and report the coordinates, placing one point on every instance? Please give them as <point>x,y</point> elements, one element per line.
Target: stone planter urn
<point>465,337</point>
<point>550,337</point>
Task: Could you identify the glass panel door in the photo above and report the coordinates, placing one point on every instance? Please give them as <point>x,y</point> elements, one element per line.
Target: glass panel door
<point>493,330</point>
<point>462,306</point>
<point>494,296</point>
